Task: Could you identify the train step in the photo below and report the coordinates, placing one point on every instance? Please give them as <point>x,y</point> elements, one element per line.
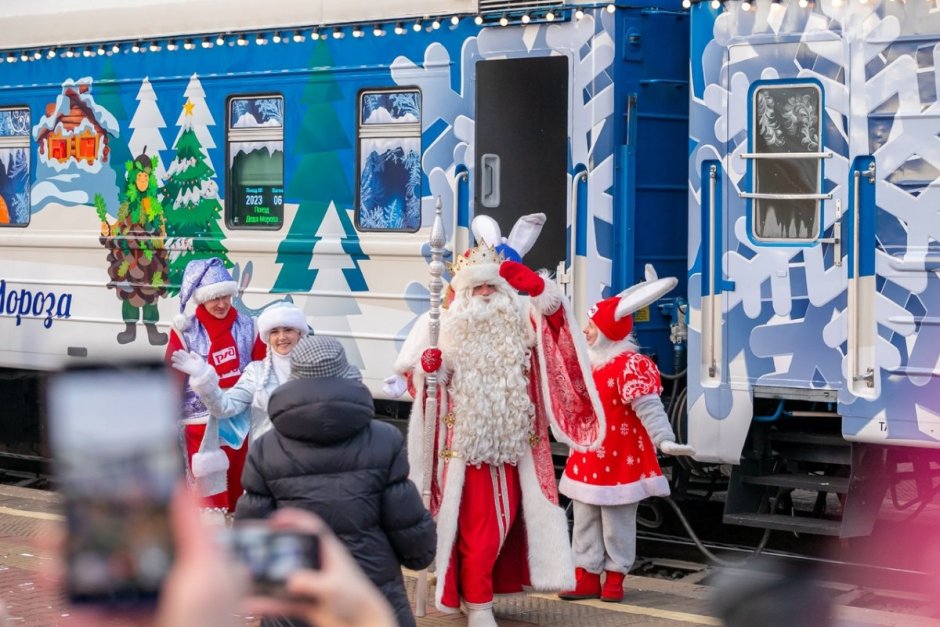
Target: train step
<point>812,447</point>
<point>810,482</point>
<point>783,522</point>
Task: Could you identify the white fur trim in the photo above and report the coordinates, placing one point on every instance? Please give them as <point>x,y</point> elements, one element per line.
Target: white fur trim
<point>613,494</point>
<point>416,435</point>
<point>281,316</point>
<point>550,299</point>
<point>214,290</point>
<point>477,274</point>
<point>181,322</point>
<point>447,525</point>
<point>209,462</point>
<point>582,350</point>
<point>419,338</point>
<point>604,350</point>
<point>551,564</point>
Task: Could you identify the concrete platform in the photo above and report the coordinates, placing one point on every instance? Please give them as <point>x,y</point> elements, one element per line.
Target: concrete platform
<point>24,557</point>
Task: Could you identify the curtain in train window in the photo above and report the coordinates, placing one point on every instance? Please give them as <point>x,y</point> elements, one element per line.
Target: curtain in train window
<point>255,197</point>
<point>14,166</point>
<point>389,189</point>
<point>787,162</point>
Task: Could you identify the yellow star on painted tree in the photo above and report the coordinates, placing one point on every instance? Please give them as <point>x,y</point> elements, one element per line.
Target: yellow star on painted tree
<point>188,107</point>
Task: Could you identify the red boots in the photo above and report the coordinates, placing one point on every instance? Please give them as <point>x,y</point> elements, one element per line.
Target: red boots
<point>613,587</point>
<point>588,586</point>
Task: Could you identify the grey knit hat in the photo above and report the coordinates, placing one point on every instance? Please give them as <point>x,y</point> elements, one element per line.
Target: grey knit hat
<point>318,356</point>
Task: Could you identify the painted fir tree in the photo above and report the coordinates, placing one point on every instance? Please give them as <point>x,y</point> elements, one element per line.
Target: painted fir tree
<point>320,186</point>
<point>191,199</point>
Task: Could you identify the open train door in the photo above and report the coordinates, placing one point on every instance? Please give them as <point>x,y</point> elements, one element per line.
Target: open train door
<point>522,148</point>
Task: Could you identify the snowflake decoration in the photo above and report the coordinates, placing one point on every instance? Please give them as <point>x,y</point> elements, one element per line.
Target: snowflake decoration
<point>600,452</point>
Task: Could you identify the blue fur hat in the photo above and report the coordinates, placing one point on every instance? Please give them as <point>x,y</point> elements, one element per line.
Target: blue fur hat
<point>203,280</point>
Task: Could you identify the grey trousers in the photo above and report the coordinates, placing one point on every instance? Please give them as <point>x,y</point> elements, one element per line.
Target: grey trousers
<point>604,537</point>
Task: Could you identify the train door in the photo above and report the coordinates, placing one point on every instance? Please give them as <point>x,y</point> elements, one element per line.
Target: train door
<point>522,148</point>
<point>774,290</point>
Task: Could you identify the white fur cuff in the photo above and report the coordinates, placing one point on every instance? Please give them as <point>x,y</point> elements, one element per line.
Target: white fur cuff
<point>209,462</point>
<point>550,299</point>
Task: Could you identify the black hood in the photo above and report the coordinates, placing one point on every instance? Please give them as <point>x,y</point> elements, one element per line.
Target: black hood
<point>324,410</point>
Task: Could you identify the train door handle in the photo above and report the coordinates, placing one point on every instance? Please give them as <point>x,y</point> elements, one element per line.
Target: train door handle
<point>489,183</point>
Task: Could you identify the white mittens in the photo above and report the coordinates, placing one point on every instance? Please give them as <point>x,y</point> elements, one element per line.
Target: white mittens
<point>676,450</point>
<point>394,386</point>
<point>191,363</point>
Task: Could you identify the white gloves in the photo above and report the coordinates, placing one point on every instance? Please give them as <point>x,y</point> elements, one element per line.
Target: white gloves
<point>191,363</point>
<point>394,386</point>
<point>671,448</point>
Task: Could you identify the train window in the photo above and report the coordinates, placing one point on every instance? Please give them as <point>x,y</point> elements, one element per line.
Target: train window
<point>389,175</point>
<point>786,162</point>
<point>14,166</point>
<point>255,162</point>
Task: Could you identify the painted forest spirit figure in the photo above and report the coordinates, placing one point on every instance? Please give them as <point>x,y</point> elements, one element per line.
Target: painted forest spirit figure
<point>493,486</point>
<point>137,257</point>
<point>606,485</point>
<point>215,450</point>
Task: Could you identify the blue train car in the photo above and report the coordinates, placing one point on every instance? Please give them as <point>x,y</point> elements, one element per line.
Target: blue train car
<point>813,255</point>
<point>306,144</point>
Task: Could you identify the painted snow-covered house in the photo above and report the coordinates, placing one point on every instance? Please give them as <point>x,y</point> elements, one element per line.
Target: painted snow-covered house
<point>75,130</point>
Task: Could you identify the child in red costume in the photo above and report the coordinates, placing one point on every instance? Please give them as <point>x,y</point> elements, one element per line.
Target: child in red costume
<point>607,484</point>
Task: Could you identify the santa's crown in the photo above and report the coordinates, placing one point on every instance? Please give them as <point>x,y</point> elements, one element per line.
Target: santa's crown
<point>476,266</point>
<point>483,253</point>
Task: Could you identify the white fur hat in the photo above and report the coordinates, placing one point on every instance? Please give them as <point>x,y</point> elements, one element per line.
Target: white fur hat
<point>281,315</point>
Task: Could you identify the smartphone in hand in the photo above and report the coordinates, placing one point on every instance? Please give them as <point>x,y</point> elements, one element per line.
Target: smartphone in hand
<point>270,556</point>
<point>112,431</point>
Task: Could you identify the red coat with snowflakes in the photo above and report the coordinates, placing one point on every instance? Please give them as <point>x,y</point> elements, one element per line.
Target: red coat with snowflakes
<point>624,469</point>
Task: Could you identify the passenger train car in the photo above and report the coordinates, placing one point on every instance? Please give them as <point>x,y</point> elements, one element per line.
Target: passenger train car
<point>813,251</point>
<point>778,159</point>
<point>307,144</point>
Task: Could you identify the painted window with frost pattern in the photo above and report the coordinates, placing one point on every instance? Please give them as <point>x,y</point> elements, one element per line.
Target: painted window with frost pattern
<point>389,174</point>
<point>255,137</point>
<point>786,165</point>
<point>14,166</point>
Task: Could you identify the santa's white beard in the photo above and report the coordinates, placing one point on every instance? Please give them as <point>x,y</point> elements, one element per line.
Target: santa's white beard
<point>604,349</point>
<point>487,343</point>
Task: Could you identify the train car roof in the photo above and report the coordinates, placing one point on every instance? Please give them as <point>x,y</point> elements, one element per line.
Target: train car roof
<point>44,23</point>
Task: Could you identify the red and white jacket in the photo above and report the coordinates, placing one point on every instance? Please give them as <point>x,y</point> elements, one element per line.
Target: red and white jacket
<point>624,469</point>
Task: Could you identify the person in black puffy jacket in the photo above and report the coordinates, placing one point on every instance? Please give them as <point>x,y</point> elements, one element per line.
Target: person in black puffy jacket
<point>326,454</point>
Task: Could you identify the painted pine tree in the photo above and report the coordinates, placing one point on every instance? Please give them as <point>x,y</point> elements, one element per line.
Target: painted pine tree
<point>321,187</point>
<point>108,95</point>
<point>191,199</point>
<point>201,117</point>
<point>146,137</point>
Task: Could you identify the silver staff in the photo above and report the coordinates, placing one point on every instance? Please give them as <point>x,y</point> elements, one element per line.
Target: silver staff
<point>435,286</point>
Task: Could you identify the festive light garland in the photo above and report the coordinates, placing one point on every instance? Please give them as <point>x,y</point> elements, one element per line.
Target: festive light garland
<point>287,36</point>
